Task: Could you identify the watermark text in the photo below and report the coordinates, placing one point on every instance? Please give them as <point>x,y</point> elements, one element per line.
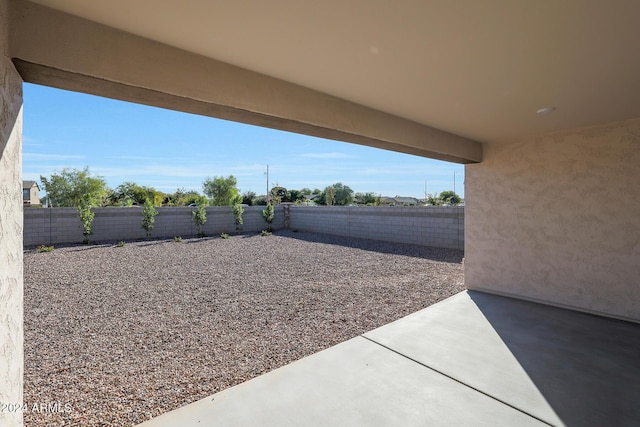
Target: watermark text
<point>40,407</point>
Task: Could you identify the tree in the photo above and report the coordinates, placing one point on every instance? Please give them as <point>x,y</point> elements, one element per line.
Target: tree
<point>329,196</point>
<point>86,217</point>
<point>336,194</point>
<point>296,196</point>
<point>247,198</point>
<point>148,217</point>
<point>433,200</point>
<point>128,193</point>
<point>279,195</point>
<point>268,214</point>
<point>174,199</point>
<point>181,198</point>
<point>365,199</point>
<point>222,191</point>
<point>190,197</point>
<point>200,215</point>
<point>237,211</point>
<point>259,201</point>
<point>344,194</point>
<point>450,198</point>
<point>69,187</point>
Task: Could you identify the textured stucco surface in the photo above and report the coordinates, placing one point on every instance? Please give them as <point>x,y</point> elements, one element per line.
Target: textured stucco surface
<point>11,338</point>
<point>555,218</point>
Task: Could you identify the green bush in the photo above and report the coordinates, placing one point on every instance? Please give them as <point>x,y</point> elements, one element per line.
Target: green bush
<point>199,216</point>
<point>237,210</point>
<point>224,236</point>
<point>44,248</point>
<point>177,239</point>
<point>265,233</point>
<point>148,217</point>
<point>121,243</point>
<point>268,214</point>
<point>86,218</point>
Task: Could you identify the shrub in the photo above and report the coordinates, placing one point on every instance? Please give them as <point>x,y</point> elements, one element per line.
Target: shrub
<point>86,218</point>
<point>237,210</point>
<point>148,217</point>
<point>268,214</point>
<point>177,239</point>
<point>224,236</point>
<point>121,243</point>
<point>265,233</point>
<point>44,248</point>
<point>199,216</point>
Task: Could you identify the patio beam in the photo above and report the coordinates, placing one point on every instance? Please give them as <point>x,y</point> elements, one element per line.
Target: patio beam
<point>60,50</point>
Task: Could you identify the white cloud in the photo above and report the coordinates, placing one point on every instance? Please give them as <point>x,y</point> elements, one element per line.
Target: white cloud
<point>31,142</point>
<point>168,170</point>
<point>47,156</point>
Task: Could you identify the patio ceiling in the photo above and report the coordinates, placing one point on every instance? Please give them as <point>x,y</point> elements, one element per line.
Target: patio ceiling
<point>476,69</point>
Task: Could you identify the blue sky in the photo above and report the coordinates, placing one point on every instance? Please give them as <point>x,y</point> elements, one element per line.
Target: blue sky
<point>167,150</point>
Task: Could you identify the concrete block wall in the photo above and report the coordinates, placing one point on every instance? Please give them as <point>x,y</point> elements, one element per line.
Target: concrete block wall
<point>421,225</point>
<point>62,225</point>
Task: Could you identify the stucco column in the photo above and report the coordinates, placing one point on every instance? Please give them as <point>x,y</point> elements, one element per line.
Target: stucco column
<point>11,294</point>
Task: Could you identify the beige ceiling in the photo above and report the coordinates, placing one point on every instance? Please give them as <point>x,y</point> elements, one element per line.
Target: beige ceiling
<point>477,68</point>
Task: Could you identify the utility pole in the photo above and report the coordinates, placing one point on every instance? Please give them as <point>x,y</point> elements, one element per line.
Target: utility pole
<point>454,182</point>
<point>267,184</point>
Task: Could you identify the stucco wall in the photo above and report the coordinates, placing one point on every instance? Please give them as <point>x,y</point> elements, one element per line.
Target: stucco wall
<point>556,219</point>
<point>62,225</point>
<point>421,225</point>
<point>11,335</point>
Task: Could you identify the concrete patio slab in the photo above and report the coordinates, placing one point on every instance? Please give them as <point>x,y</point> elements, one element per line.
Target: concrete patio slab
<point>356,383</point>
<point>561,366</point>
<point>474,359</point>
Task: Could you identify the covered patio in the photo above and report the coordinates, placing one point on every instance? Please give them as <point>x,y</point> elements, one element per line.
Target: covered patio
<point>539,100</point>
<point>473,359</point>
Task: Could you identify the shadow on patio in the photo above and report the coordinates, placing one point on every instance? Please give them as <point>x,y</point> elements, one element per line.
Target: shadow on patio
<point>473,359</point>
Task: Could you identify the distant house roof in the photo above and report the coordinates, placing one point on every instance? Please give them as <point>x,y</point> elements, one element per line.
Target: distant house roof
<point>386,200</point>
<point>29,184</point>
<point>407,200</point>
<point>399,200</point>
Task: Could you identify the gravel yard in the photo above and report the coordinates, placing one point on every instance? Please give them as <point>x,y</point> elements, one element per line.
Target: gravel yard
<point>123,334</point>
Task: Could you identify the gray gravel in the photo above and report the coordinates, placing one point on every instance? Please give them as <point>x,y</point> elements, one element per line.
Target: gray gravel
<point>123,334</point>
